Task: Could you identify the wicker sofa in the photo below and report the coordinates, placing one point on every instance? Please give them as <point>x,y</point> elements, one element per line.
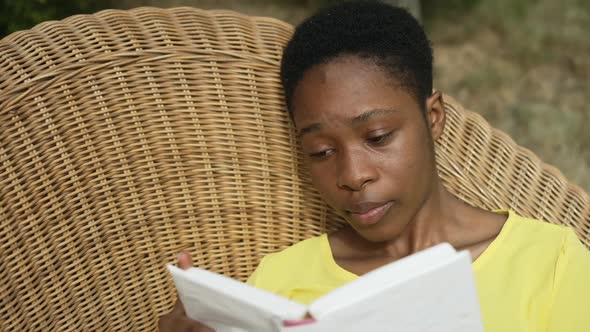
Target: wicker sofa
<point>127,136</point>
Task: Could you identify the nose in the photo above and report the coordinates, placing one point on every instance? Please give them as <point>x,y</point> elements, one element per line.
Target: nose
<point>355,171</point>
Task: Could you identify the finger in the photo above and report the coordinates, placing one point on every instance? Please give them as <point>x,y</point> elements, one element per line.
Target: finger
<point>178,308</point>
<point>176,320</point>
<point>184,260</point>
<point>194,326</point>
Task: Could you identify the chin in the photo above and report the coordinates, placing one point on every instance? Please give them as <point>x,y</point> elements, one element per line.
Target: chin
<point>385,229</point>
<point>376,234</point>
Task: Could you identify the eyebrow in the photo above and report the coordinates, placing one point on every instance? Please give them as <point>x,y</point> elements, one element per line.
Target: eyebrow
<point>366,116</point>
<point>356,121</point>
<point>309,129</point>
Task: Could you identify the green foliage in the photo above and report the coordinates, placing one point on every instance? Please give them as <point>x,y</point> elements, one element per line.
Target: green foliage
<point>24,14</point>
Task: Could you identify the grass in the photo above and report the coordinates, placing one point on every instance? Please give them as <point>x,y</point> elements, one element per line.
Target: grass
<point>524,66</point>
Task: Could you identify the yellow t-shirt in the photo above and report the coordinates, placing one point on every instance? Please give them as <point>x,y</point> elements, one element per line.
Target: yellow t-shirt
<point>534,276</point>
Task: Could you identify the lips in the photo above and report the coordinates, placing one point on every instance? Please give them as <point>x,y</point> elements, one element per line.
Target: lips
<point>368,213</point>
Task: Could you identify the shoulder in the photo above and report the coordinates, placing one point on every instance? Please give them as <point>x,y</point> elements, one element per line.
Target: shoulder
<point>525,240</point>
<point>537,249</point>
<point>534,269</point>
<point>558,243</point>
<point>537,231</point>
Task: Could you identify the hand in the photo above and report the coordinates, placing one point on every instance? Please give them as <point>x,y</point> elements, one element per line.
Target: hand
<point>176,320</point>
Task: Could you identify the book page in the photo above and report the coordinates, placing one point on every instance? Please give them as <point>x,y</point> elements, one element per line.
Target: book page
<point>385,277</point>
<point>443,299</point>
<point>228,305</point>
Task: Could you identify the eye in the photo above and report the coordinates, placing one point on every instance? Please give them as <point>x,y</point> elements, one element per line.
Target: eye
<point>321,154</point>
<point>379,139</point>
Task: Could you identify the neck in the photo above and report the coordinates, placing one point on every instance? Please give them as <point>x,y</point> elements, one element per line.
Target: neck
<point>429,226</point>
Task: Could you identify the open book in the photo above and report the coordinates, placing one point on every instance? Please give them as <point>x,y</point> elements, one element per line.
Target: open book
<point>432,290</point>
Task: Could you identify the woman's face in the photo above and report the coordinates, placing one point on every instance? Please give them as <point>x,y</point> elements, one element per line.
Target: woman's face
<point>367,144</point>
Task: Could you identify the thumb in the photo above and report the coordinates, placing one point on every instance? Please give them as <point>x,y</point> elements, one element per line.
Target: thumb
<point>184,260</point>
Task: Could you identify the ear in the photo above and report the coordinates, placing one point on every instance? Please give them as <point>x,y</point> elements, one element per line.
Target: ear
<point>435,114</point>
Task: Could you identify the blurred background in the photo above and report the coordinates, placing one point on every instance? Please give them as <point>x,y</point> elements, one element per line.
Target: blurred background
<point>522,64</point>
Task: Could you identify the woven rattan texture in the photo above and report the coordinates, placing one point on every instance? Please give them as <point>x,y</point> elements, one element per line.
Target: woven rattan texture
<point>129,135</point>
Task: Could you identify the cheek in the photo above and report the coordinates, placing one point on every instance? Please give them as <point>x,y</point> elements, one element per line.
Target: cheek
<point>407,160</point>
<point>400,155</point>
<point>323,180</point>
<point>414,164</point>
<point>320,177</point>
<point>413,147</point>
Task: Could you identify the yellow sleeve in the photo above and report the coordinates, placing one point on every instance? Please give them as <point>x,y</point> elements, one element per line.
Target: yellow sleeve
<point>254,279</point>
<point>570,310</point>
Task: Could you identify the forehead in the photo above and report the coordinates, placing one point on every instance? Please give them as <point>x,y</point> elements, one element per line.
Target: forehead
<point>345,88</point>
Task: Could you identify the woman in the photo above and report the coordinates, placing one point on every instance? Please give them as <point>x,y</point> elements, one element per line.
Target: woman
<point>358,83</point>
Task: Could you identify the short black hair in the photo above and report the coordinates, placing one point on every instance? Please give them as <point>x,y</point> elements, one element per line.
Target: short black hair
<point>387,36</point>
